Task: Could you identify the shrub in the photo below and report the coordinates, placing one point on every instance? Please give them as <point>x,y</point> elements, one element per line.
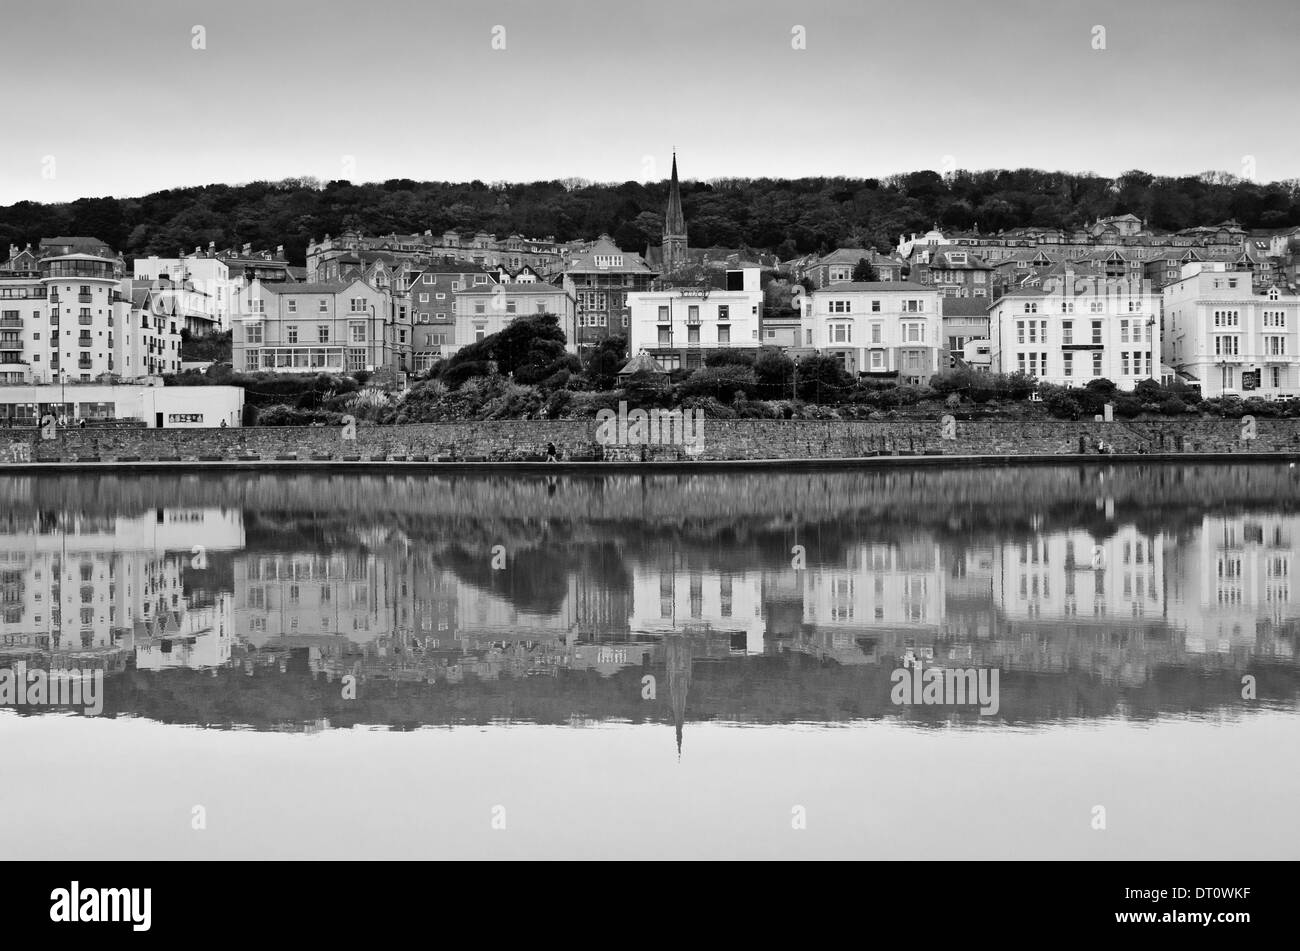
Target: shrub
<point>1173,406</point>
<point>720,382</point>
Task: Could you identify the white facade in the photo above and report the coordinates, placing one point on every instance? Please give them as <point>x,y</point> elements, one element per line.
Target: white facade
<point>1218,330</point>
<point>338,327</point>
<point>679,325</point>
<point>890,329</point>
<point>1073,330</point>
<point>77,321</point>
<point>160,407</point>
<point>212,294</point>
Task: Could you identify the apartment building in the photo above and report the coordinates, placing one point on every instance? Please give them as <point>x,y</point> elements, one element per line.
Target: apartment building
<point>74,318</point>
<point>891,330</point>
<point>599,280</point>
<point>342,327</point>
<point>430,299</point>
<point>1229,335</point>
<point>1076,329</point>
<point>838,266</point>
<point>680,326</point>
<point>201,284</point>
<point>485,309</point>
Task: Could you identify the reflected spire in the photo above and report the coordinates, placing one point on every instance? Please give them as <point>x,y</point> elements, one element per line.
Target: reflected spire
<point>678,656</point>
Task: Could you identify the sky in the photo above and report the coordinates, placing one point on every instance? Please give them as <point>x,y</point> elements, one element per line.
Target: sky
<point>125,97</point>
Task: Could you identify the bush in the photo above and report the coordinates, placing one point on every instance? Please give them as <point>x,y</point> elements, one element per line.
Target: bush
<point>1128,407</point>
<point>1173,406</point>
<point>729,358</point>
<point>721,383</point>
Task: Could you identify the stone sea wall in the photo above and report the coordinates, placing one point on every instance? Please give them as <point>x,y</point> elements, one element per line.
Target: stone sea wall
<point>523,440</point>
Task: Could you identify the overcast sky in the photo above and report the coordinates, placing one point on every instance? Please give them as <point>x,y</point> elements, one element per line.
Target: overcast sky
<point>111,98</point>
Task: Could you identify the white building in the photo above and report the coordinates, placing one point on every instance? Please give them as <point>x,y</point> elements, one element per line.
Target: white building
<point>329,327</point>
<point>1072,330</point>
<point>1225,336</point>
<point>202,283</point>
<point>76,319</point>
<point>159,407</point>
<point>885,329</point>
<point>679,326</point>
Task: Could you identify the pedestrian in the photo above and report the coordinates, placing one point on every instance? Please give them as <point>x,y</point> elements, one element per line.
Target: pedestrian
<point>550,452</point>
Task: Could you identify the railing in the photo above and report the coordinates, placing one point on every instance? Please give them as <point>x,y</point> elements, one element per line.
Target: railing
<point>84,298</point>
<point>11,322</point>
<point>84,341</point>
<point>85,320</point>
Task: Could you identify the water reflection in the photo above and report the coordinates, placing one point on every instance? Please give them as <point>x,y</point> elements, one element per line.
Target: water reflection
<point>246,601</point>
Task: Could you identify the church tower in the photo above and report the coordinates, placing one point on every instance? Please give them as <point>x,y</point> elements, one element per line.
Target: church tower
<point>674,244</point>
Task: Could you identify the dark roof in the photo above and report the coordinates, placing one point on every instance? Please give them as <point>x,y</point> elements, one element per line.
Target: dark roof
<point>963,306</point>
<point>873,286</point>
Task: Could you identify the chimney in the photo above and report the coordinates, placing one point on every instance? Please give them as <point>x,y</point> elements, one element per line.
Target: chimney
<point>248,250</point>
<point>212,248</point>
<point>279,252</point>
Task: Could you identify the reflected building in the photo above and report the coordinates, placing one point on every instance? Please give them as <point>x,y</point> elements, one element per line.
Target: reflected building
<point>84,589</point>
<point>711,604</point>
<point>1230,585</point>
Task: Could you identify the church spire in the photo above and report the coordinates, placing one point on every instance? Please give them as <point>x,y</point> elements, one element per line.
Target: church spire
<point>674,242</point>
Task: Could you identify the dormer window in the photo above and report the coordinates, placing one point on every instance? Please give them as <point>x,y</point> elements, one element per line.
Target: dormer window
<point>1273,293</point>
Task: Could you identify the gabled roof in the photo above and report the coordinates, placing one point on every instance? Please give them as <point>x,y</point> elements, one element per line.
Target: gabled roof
<point>963,306</point>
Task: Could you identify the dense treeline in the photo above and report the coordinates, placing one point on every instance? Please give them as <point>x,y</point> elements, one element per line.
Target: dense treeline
<point>788,216</point>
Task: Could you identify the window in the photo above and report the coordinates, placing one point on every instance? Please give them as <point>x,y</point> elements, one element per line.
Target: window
<point>1096,331</point>
<point>1275,319</point>
<point>876,332</point>
<point>1276,373</point>
<point>424,298</point>
<point>724,333</point>
<point>257,306</point>
<point>663,314</point>
<point>323,306</point>
<point>840,306</point>
<point>1227,318</point>
<point>914,332</point>
<point>724,312</point>
<point>1067,331</point>
<point>877,359</point>
<point>358,305</point>
<point>1275,346</point>
<point>356,359</point>
<point>1020,331</point>
<point>1094,307</point>
<point>253,333</point>
<point>358,333</point>
<point>1226,346</point>
<point>1123,331</point>
<point>1031,308</point>
<point>1096,363</point>
<point>841,333</point>
<point>293,306</point>
<point>875,306</point>
<point>1123,363</point>
<point>1067,307</point>
<point>1067,363</point>
<point>322,333</point>
<point>292,333</point>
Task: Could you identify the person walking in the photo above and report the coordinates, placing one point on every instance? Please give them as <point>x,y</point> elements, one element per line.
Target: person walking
<point>550,452</point>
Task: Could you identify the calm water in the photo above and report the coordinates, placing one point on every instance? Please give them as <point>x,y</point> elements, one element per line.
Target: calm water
<point>343,666</point>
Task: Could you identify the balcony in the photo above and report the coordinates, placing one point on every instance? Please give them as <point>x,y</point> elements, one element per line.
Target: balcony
<point>53,298</point>
<point>84,298</point>
<point>85,320</point>
<point>11,323</point>
<point>84,364</point>
<point>84,341</point>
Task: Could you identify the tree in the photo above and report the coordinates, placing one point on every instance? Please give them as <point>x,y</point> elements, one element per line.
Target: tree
<point>863,271</point>
<point>535,342</point>
<point>822,379</point>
